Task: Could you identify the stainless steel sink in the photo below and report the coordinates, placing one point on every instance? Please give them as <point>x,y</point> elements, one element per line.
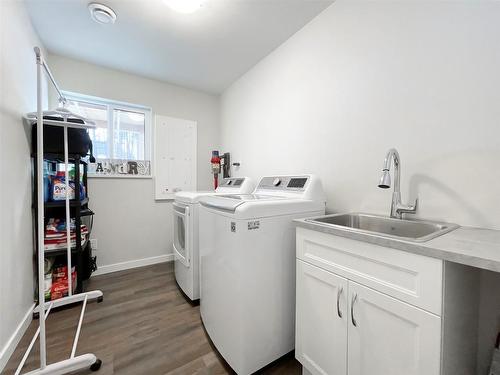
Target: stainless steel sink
<point>408,230</point>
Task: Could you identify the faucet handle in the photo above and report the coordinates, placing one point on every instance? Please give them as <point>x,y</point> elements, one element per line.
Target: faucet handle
<point>407,209</point>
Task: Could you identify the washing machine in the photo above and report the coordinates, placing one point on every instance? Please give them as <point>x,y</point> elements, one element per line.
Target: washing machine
<point>186,223</point>
<point>247,269</point>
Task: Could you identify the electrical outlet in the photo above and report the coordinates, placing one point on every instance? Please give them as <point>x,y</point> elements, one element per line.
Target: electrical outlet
<point>93,243</point>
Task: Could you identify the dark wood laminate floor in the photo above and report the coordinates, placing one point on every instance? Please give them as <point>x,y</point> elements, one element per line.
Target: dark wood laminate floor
<point>144,326</point>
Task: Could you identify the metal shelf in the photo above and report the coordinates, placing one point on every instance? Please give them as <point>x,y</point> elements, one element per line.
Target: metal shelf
<point>72,203</point>
<point>60,157</point>
<point>62,251</point>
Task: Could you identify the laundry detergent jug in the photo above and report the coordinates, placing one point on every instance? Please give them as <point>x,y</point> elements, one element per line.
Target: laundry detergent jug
<point>58,188</point>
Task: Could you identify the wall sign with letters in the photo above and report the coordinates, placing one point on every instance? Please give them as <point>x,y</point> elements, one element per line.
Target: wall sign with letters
<point>120,168</point>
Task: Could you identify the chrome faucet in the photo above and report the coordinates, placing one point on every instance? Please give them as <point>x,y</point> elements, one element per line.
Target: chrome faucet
<point>397,208</point>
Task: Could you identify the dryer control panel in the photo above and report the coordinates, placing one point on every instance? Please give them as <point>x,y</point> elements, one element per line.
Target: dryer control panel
<point>290,183</point>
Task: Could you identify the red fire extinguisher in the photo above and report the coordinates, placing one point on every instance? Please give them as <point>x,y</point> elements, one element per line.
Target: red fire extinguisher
<point>215,161</point>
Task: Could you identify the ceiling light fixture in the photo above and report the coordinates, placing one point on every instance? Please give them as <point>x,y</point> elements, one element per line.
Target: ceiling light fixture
<point>184,6</point>
<point>102,14</point>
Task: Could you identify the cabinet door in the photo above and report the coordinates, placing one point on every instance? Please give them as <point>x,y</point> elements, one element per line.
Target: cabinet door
<point>321,320</point>
<point>390,337</point>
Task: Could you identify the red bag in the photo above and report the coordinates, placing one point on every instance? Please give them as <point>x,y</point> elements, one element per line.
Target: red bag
<point>59,287</point>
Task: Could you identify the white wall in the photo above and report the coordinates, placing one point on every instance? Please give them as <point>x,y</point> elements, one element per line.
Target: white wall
<point>17,96</point>
<point>365,76</point>
<point>129,224</point>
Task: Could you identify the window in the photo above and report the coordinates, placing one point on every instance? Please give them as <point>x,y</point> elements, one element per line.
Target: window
<point>122,130</point>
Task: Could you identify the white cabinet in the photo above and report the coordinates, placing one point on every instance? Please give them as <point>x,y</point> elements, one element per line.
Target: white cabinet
<point>345,328</point>
<point>364,309</point>
<point>390,337</point>
<point>411,278</point>
<point>321,321</point>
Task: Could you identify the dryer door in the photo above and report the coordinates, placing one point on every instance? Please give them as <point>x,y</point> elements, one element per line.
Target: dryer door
<point>181,234</point>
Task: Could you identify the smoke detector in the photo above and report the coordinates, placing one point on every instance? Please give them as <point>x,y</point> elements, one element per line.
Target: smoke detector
<point>102,14</point>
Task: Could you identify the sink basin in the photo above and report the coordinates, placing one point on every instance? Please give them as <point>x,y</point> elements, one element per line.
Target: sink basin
<point>408,230</point>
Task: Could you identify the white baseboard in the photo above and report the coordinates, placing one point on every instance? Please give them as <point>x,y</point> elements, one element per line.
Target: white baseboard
<point>11,345</point>
<point>102,270</point>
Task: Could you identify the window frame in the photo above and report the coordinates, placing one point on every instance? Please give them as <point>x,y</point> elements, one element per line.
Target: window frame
<point>111,106</point>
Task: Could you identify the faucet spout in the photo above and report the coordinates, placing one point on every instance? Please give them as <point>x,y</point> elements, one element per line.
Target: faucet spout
<point>392,154</point>
<point>397,208</point>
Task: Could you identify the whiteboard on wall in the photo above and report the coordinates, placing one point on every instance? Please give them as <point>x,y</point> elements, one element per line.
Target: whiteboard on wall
<point>175,143</point>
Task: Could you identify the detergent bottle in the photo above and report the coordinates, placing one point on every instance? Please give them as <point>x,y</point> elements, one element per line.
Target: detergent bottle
<point>58,186</point>
<point>46,181</point>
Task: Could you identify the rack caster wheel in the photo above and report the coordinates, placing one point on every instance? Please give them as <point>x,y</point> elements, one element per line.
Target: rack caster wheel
<point>96,365</point>
<point>100,299</point>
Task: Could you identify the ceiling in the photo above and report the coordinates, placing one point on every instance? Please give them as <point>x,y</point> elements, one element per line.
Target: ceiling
<point>206,50</point>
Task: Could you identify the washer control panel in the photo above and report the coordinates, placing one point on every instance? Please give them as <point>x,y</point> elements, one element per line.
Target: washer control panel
<point>290,183</point>
<point>232,182</point>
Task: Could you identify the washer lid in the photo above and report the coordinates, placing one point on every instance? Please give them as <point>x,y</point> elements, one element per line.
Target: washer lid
<point>259,206</point>
<point>192,196</point>
<point>250,197</point>
<point>233,185</point>
<point>226,202</point>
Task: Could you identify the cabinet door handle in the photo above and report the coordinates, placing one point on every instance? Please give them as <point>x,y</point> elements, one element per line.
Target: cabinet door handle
<point>339,293</point>
<point>353,301</point>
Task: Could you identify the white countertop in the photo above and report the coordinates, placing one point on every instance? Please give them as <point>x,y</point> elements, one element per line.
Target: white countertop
<point>470,246</point>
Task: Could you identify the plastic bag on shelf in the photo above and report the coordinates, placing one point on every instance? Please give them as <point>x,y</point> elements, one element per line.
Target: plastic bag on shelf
<point>59,287</point>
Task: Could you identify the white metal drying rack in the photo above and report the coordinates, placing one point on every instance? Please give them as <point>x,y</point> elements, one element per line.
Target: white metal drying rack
<point>73,363</point>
